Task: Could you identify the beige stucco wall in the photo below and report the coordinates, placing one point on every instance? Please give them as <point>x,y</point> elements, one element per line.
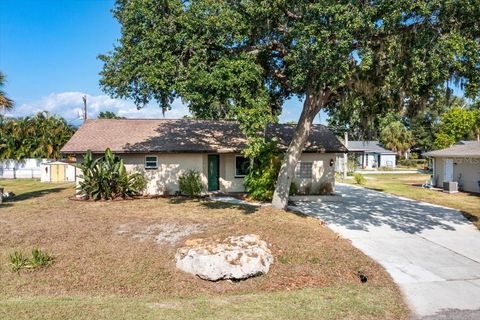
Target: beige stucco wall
<point>228,181</point>
<point>164,179</point>
<point>322,172</point>
<point>466,171</point>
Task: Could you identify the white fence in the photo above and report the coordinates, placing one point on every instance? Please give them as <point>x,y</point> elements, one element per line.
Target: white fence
<point>21,169</point>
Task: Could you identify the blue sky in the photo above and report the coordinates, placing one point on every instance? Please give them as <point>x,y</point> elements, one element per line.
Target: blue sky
<point>48,52</point>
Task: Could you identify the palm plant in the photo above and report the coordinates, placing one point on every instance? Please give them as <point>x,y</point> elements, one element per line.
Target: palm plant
<point>6,104</point>
<point>107,178</point>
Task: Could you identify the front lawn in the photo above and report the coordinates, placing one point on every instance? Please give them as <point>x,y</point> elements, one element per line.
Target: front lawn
<point>409,186</point>
<point>112,261</point>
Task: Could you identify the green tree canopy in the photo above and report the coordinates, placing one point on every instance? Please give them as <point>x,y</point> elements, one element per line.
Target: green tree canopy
<point>396,137</point>
<point>40,136</point>
<point>108,115</point>
<point>476,126</point>
<point>456,124</point>
<point>242,59</point>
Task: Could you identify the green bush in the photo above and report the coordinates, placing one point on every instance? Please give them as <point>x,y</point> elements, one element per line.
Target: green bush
<point>407,163</point>
<point>359,178</point>
<point>39,258</point>
<point>412,163</point>
<point>261,179</point>
<point>106,178</point>
<point>190,183</point>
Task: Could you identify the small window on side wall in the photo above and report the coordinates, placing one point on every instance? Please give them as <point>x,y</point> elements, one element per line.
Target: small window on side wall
<point>241,166</point>
<point>151,162</point>
<point>303,170</point>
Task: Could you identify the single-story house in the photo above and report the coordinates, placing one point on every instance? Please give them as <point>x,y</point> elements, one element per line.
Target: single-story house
<point>371,154</point>
<point>459,163</point>
<point>164,148</point>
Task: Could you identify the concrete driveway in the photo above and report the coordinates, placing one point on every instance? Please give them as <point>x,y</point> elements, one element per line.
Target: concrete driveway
<point>432,252</point>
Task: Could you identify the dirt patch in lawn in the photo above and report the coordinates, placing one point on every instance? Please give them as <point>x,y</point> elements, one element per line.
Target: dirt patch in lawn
<point>160,233</point>
<point>127,249</point>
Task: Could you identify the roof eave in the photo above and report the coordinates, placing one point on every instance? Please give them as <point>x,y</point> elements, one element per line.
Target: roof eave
<point>220,151</point>
<point>452,155</point>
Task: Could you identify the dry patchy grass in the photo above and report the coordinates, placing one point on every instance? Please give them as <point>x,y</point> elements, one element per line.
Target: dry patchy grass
<point>99,267</point>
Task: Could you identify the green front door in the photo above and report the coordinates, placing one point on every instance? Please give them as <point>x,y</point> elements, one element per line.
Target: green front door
<point>213,161</point>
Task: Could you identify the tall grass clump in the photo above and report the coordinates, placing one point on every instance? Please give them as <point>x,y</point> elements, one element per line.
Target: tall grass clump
<point>359,178</point>
<point>38,259</point>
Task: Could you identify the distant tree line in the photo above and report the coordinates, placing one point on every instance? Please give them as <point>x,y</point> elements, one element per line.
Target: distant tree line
<point>108,115</point>
<point>39,136</point>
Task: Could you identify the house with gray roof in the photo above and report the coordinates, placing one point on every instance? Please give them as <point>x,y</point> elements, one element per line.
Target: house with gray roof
<point>371,154</point>
<point>162,149</point>
<point>459,163</point>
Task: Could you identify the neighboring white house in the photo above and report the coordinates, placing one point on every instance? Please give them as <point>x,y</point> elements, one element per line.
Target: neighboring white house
<point>371,154</point>
<point>58,171</point>
<point>162,149</point>
<point>460,163</point>
<point>20,169</point>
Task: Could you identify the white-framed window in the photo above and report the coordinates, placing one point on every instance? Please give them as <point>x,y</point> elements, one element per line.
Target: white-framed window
<point>241,166</point>
<point>303,170</point>
<point>151,162</point>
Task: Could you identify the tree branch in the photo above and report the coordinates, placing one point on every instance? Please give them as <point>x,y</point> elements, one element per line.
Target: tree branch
<point>282,78</point>
<point>292,15</point>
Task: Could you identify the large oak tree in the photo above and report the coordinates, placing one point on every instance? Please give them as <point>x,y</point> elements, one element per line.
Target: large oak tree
<point>242,59</point>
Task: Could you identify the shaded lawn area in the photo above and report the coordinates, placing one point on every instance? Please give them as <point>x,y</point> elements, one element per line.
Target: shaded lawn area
<point>109,265</point>
<point>25,189</point>
<point>409,186</point>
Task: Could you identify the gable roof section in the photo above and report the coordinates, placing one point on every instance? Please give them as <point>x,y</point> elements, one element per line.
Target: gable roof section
<point>368,146</point>
<point>183,135</point>
<point>467,149</point>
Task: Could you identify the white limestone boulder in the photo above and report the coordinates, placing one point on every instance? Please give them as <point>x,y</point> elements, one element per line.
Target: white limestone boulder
<point>235,258</point>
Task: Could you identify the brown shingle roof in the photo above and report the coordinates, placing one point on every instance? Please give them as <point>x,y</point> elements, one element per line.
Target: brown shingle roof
<point>468,149</point>
<point>182,135</point>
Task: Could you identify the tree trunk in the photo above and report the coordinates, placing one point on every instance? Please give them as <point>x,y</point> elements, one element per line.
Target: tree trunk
<point>312,105</point>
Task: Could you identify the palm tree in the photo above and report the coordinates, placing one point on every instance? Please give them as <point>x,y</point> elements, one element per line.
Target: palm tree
<point>39,136</point>
<point>5,103</point>
<point>397,137</point>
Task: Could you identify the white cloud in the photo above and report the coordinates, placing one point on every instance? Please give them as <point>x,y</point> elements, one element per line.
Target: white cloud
<point>70,105</point>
